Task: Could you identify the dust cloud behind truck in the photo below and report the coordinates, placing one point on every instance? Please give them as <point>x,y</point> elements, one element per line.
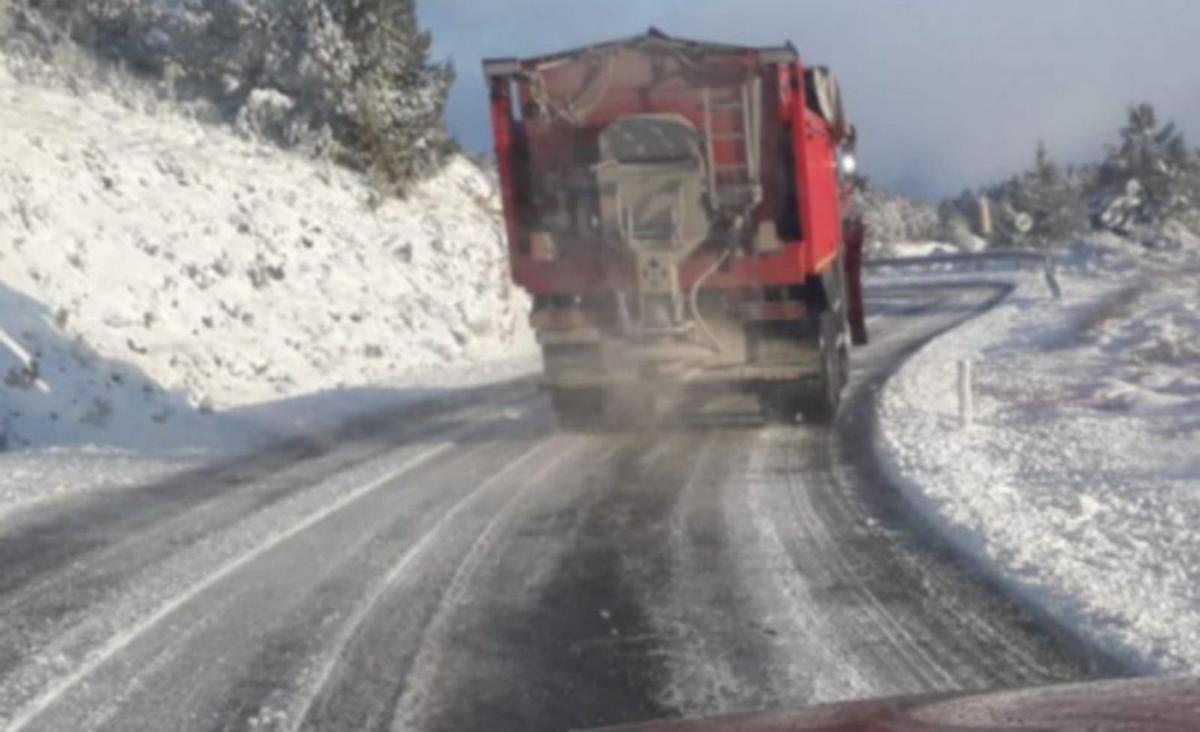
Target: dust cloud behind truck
<point>675,209</point>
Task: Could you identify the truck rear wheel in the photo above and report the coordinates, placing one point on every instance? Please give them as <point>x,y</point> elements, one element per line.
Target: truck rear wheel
<point>579,409</point>
<point>825,397</point>
<point>816,399</point>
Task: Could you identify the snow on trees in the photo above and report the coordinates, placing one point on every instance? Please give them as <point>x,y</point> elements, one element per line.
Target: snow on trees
<point>1040,207</point>
<point>350,79</point>
<point>1151,176</point>
<point>1147,183</point>
<point>891,219</point>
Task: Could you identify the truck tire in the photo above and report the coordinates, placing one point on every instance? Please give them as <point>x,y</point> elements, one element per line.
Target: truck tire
<point>823,396</point>
<point>580,409</point>
<point>816,400</point>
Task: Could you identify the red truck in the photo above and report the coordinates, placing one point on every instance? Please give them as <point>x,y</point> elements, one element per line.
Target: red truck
<point>675,210</point>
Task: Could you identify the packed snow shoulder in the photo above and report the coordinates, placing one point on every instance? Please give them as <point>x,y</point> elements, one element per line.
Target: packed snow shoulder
<point>1078,482</point>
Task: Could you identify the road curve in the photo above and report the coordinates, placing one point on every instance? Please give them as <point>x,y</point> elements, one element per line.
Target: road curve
<point>466,566</point>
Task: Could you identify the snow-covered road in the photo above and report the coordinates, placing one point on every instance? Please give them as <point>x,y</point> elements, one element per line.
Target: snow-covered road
<point>469,567</point>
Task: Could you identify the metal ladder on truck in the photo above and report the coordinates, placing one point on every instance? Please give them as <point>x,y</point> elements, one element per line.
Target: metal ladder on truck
<point>744,191</point>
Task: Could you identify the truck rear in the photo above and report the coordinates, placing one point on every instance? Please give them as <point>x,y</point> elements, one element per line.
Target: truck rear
<point>675,210</point>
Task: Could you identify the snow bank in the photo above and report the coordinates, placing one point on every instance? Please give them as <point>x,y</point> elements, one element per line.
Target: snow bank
<point>157,270</point>
<point>1079,482</point>
<point>919,249</point>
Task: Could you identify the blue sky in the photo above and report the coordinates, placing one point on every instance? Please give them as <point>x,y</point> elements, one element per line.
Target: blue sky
<point>946,93</point>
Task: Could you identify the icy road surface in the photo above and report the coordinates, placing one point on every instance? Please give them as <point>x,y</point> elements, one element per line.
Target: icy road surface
<point>469,567</point>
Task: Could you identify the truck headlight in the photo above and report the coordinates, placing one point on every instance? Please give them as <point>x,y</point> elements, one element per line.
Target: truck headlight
<point>848,164</point>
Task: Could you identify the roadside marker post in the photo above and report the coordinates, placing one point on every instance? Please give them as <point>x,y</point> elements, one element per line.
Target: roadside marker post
<point>966,416</point>
<point>1052,278</point>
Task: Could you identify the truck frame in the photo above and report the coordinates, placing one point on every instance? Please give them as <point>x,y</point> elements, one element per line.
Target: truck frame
<point>675,210</point>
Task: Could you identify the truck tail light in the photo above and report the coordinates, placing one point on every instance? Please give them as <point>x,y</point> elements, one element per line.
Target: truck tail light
<point>542,247</point>
<point>559,319</point>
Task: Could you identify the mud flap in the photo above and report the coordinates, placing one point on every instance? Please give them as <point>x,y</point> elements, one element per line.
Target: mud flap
<point>854,234</point>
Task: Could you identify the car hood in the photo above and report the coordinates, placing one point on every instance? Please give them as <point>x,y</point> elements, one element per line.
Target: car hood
<point>1145,705</point>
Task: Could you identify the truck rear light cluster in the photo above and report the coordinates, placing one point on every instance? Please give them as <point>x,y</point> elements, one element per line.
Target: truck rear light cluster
<point>552,318</point>
<point>542,247</point>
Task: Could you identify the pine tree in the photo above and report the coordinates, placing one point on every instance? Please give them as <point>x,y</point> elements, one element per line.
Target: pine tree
<point>1151,175</point>
<point>400,94</point>
<point>350,77</point>
<point>1042,207</point>
<point>1056,204</point>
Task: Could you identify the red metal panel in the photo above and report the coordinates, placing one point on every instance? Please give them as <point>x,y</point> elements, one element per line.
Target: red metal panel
<point>824,227</point>
<point>820,208</point>
<point>502,131</point>
<point>595,89</point>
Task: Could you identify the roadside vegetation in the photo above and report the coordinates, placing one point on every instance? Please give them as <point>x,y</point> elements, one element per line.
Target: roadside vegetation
<point>1145,188</point>
<point>346,80</point>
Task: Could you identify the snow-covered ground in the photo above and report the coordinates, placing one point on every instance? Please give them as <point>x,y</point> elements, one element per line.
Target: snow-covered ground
<point>918,249</point>
<point>169,287</point>
<point>171,293</point>
<point>1079,481</point>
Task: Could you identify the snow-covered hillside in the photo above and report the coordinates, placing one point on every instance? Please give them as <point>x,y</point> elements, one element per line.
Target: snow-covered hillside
<point>1079,481</point>
<point>157,269</point>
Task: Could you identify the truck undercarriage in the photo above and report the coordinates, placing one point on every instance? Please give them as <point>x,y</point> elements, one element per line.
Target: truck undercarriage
<point>794,357</point>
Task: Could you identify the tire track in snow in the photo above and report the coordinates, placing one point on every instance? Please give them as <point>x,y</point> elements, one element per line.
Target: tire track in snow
<point>28,707</point>
<point>299,714</point>
<point>702,681</point>
<point>958,619</point>
<point>100,543</point>
<point>72,590</point>
<point>1020,664</point>
<point>100,715</point>
<point>555,634</point>
<point>292,603</point>
<point>813,642</point>
<point>980,619</point>
<point>903,643</point>
<point>411,709</point>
